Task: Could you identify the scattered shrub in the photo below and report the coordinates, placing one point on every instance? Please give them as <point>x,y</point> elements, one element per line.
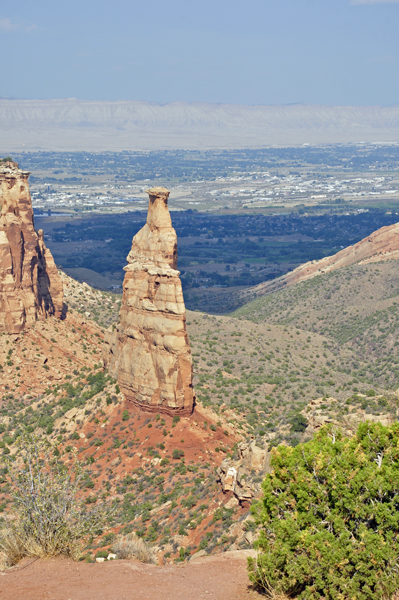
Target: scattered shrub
<point>132,546</point>
<point>177,454</point>
<point>184,553</point>
<point>298,423</point>
<point>50,519</point>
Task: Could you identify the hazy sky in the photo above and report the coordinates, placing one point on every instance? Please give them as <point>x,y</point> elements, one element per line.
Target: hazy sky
<point>235,51</point>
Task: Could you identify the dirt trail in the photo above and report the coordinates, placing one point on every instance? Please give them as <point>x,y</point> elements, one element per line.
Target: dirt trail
<point>220,577</point>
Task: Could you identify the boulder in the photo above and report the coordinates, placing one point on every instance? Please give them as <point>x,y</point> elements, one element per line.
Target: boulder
<point>30,286</point>
<point>148,350</point>
<point>237,476</point>
<point>253,457</point>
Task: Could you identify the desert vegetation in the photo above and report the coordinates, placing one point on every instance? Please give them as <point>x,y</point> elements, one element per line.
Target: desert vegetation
<point>256,374</point>
<point>138,464</point>
<point>48,518</point>
<point>355,309</point>
<point>132,546</point>
<point>329,518</point>
<point>255,379</point>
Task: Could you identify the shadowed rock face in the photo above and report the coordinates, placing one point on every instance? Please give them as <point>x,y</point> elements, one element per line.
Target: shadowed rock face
<point>149,352</point>
<point>30,286</point>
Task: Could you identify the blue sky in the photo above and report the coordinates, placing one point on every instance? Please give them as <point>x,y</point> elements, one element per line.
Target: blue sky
<point>342,52</point>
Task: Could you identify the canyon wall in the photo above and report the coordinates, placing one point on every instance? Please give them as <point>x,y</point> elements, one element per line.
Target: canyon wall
<point>148,351</point>
<point>30,286</point>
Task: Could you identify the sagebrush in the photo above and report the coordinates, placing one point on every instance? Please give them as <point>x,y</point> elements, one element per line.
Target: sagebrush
<point>49,516</point>
<point>330,517</point>
<point>132,546</point>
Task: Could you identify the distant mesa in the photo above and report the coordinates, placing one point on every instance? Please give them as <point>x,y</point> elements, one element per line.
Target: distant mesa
<point>94,125</point>
<point>148,352</point>
<point>381,245</point>
<point>30,286</point>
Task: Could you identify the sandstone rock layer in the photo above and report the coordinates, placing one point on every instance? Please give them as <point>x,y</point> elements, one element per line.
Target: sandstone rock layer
<point>30,286</point>
<point>381,245</point>
<point>241,476</point>
<point>148,352</point>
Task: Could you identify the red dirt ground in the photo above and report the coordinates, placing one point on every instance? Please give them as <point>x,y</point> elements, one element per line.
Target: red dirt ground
<point>220,577</point>
<point>47,353</point>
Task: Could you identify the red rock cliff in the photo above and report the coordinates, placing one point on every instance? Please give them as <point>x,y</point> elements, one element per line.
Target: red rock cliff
<point>149,352</point>
<point>30,286</point>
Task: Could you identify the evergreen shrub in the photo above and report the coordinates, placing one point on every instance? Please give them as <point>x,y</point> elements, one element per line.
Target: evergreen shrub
<point>329,517</point>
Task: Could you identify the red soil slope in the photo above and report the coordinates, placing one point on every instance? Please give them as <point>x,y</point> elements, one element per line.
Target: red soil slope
<point>132,458</point>
<point>47,353</point>
<point>126,448</point>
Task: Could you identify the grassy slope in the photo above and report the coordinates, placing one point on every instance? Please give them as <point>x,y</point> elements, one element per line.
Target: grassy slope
<point>356,309</point>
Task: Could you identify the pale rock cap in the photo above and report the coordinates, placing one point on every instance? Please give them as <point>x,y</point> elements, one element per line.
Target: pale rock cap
<point>158,192</point>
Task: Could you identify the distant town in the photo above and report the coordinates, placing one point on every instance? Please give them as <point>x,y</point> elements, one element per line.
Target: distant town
<point>264,189</point>
<point>266,180</point>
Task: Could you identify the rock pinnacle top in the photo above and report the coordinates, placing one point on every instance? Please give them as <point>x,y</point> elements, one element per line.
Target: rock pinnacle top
<point>158,191</point>
<point>157,240</point>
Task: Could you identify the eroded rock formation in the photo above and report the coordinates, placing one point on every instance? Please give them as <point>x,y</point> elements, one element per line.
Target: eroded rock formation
<point>30,286</point>
<point>148,352</point>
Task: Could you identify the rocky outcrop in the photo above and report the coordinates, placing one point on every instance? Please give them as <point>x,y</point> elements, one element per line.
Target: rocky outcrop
<point>30,286</point>
<point>325,411</point>
<point>241,476</point>
<point>148,352</point>
<point>381,245</point>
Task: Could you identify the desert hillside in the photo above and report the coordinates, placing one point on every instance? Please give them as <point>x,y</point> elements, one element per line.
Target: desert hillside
<point>159,472</point>
<point>355,307</point>
<point>267,382</point>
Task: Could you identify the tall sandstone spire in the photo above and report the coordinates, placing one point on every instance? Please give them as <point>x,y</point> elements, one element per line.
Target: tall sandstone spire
<point>30,286</point>
<point>149,352</point>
